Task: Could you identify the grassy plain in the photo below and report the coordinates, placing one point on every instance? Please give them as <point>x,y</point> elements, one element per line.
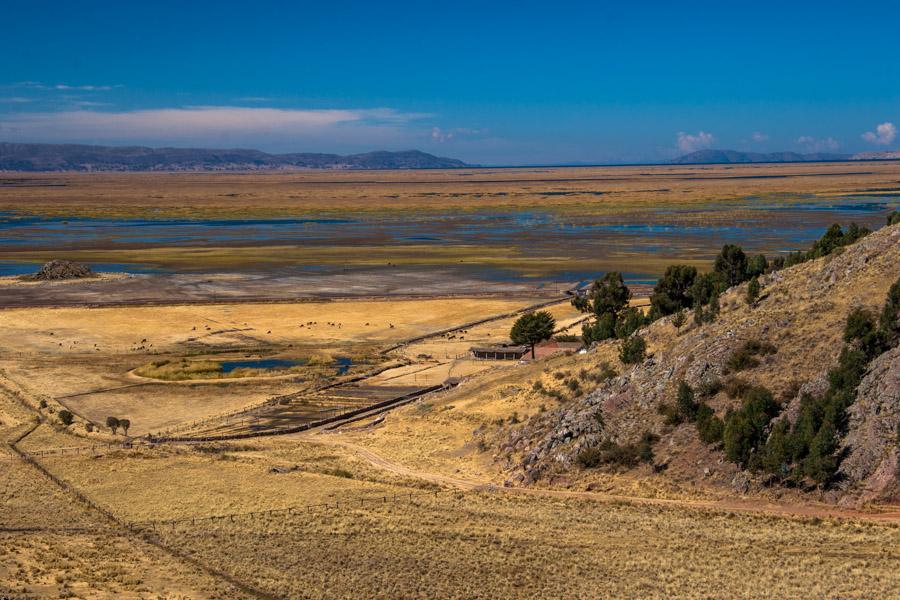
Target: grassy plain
<point>456,209</point>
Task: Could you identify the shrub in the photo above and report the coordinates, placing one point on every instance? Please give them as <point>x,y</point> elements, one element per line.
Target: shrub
<point>736,387</point>
<point>679,319</point>
<point>633,350</point>
<point>893,218</point>
<point>684,402</point>
<point>66,417</point>
<point>589,457</point>
<point>709,426</point>
<point>89,427</point>
<point>573,385</point>
<point>42,404</point>
<point>753,291</point>
<point>745,356</point>
<point>709,387</point>
<point>745,428</point>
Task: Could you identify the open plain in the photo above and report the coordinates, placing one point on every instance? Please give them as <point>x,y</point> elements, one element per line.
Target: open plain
<point>262,307</point>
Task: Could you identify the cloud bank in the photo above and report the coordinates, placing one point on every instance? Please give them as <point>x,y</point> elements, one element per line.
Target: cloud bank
<point>203,125</point>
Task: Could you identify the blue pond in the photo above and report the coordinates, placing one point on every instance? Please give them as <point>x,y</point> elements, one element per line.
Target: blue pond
<point>343,364</point>
<point>260,363</point>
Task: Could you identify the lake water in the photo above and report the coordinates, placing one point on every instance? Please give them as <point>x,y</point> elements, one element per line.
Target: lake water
<point>757,224</point>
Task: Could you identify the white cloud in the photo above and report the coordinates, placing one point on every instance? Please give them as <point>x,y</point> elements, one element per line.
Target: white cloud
<point>446,135</point>
<point>814,144</point>
<point>691,143</point>
<point>759,137</point>
<point>16,100</point>
<point>37,85</point>
<point>219,125</point>
<point>884,134</point>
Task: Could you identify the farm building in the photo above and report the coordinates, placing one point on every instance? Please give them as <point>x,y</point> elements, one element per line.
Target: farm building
<point>498,352</point>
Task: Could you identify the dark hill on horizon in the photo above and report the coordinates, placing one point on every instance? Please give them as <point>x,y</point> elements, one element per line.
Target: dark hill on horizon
<point>734,156</point>
<point>77,157</point>
<point>726,157</point>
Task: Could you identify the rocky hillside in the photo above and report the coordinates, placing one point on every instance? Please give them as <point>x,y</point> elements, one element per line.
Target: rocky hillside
<point>800,318</point>
<point>74,157</point>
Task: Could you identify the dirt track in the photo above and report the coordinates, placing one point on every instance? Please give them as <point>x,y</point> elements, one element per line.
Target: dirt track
<point>738,504</point>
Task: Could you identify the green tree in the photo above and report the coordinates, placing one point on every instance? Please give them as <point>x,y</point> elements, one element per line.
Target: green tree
<point>633,350</point>
<point>753,291</point>
<point>893,218</point>
<point>112,423</point>
<point>610,294</point>
<point>124,424</point>
<point>731,265</point>
<point>532,328</point>
<point>705,288</point>
<point>757,265</point>
<point>672,292</point>
<point>629,321</point>
<point>679,319</point>
<point>603,328</point>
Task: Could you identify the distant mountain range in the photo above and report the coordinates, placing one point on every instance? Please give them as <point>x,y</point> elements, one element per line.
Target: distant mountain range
<point>74,157</point>
<point>733,157</point>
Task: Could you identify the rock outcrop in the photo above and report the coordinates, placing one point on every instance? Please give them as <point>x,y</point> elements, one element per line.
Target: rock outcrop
<point>57,270</point>
<point>872,444</point>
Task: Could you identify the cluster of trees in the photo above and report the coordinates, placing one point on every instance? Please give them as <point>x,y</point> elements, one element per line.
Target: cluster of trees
<point>608,301</point>
<point>608,452</point>
<point>834,238</point>
<point>114,423</point>
<point>806,450</point>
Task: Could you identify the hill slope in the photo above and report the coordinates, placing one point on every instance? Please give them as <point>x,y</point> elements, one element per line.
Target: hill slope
<point>73,157</point>
<point>802,314</point>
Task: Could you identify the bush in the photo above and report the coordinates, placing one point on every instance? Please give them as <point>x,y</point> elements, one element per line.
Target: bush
<point>893,218</point>
<point>705,287</point>
<point>745,356</point>
<point>633,350</point>
<point>745,428</point>
<point>709,427</point>
<point>736,387</point>
<point>66,417</point>
<point>684,402</point>
<point>679,319</point>
<point>753,291</point>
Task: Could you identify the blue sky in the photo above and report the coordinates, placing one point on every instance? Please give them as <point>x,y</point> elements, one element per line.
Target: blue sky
<point>487,82</point>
